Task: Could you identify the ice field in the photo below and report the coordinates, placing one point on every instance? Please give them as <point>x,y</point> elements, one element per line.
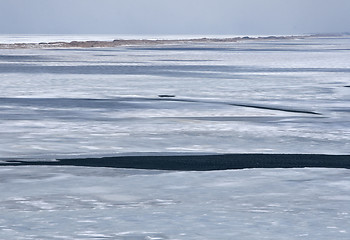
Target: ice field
<point>102,203</point>
<point>255,96</point>
<point>230,98</point>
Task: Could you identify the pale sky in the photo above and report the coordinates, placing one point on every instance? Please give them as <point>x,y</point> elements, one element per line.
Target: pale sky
<point>174,16</point>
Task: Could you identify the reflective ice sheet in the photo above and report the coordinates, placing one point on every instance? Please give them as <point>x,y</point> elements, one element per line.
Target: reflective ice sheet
<point>247,97</point>
<point>289,96</point>
<point>101,203</point>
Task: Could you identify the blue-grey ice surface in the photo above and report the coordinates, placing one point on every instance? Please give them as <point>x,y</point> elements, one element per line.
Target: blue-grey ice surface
<point>73,102</point>
<point>101,203</point>
<point>247,97</point>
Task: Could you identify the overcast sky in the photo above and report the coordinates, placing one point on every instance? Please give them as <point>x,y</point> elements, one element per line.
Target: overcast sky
<point>174,16</point>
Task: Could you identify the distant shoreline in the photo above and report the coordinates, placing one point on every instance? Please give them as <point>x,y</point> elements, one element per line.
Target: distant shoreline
<point>140,42</point>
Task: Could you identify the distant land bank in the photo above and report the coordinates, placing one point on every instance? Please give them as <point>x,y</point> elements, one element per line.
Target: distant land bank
<point>137,42</point>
